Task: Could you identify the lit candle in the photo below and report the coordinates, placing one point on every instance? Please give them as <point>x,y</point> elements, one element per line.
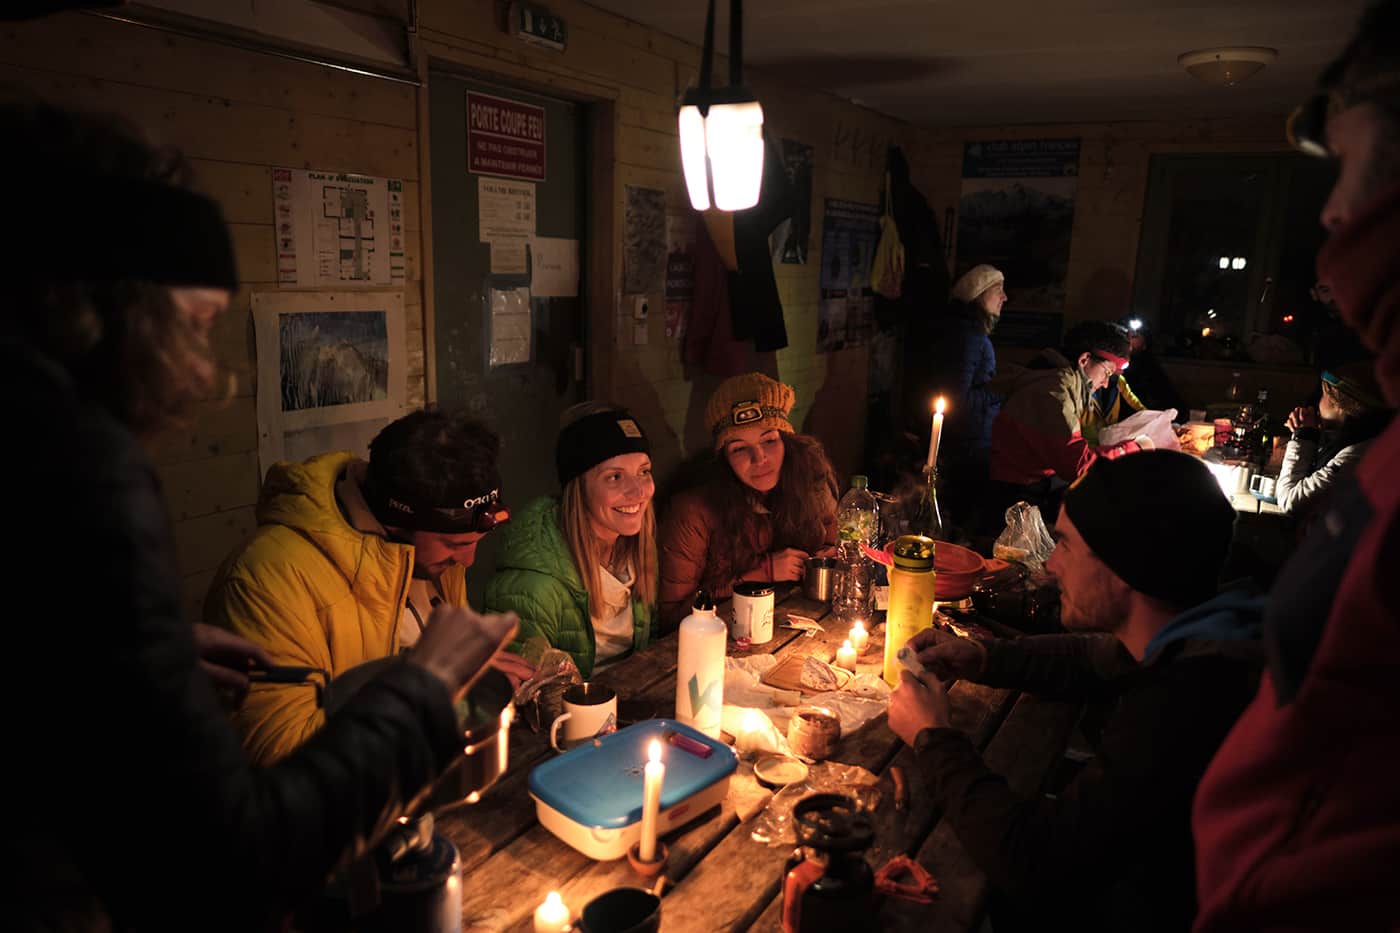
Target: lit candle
<point>859,637</point>
<point>846,656</point>
<point>553,916</point>
<point>651,801</point>
<point>936,431</point>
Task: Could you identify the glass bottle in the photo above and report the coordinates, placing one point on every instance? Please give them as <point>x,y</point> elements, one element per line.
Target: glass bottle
<point>858,519</point>
<point>928,520</point>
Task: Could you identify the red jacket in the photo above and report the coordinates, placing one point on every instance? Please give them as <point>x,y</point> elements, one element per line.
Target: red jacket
<point>1037,433</point>
<point>1297,819</point>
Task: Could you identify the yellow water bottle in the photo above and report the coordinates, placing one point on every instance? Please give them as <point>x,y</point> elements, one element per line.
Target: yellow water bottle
<point>911,598</point>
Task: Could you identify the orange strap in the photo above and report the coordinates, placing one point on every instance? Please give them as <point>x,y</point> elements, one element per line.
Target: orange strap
<point>798,880</point>
<point>920,888</point>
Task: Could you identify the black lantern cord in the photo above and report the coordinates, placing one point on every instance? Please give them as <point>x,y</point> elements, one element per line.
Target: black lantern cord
<point>736,42</point>
<point>709,50</point>
<point>736,45</point>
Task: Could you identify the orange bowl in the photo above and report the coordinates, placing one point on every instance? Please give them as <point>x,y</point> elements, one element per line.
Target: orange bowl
<point>958,569</point>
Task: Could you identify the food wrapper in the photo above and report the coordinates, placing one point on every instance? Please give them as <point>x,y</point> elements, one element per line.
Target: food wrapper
<point>1025,540</point>
<point>541,698</point>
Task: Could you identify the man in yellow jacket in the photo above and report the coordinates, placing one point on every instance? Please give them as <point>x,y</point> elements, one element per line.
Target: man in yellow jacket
<point>350,557</point>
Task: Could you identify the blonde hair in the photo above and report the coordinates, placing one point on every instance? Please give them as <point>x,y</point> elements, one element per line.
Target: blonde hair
<point>638,551</point>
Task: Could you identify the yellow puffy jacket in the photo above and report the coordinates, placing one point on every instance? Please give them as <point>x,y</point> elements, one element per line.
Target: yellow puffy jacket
<point>315,592</point>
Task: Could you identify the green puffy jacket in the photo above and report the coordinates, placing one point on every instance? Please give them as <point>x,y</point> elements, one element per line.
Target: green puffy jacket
<point>537,580</point>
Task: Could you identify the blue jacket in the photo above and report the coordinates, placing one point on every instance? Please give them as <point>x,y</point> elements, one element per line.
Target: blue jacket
<point>964,363</point>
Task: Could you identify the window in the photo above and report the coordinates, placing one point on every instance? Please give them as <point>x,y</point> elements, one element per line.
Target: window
<point>1226,253</point>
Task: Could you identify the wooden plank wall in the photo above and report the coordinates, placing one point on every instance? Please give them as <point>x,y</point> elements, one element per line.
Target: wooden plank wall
<point>643,73</point>
<point>236,114</point>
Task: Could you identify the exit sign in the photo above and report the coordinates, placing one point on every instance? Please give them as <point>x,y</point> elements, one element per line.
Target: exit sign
<point>538,26</point>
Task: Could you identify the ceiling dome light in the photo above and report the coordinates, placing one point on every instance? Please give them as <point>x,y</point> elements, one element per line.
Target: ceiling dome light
<point>1226,66</point>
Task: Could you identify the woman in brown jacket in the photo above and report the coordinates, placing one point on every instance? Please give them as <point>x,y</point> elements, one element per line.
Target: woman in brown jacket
<point>768,504</point>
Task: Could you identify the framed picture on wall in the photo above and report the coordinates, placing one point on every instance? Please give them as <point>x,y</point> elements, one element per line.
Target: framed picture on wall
<point>331,370</point>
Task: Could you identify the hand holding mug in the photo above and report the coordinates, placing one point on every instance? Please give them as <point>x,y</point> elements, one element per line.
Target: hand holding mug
<point>788,565</point>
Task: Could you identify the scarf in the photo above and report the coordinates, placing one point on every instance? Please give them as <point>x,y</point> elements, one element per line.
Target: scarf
<point>1361,261</point>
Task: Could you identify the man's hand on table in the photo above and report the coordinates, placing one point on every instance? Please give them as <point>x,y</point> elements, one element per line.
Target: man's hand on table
<point>949,656</point>
<point>918,703</point>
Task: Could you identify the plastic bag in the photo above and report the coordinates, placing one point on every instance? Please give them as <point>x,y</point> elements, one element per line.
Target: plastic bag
<point>1025,540</point>
<point>1157,425</point>
<point>773,826</point>
<point>541,698</point>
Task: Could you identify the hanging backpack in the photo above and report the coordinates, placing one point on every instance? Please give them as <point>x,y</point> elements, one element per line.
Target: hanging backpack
<point>887,269</point>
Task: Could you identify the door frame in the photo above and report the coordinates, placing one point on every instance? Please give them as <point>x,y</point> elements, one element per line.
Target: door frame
<point>603,220</point>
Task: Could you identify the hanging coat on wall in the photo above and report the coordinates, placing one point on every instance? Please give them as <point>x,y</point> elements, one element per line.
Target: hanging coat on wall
<point>709,340</point>
<point>755,309</point>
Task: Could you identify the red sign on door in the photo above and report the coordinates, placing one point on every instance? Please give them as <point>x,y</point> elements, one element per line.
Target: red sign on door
<point>505,137</point>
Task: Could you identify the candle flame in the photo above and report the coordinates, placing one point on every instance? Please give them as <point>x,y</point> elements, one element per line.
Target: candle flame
<point>553,899</point>
<point>858,627</point>
<point>654,752</point>
<point>847,646</point>
<point>940,405</point>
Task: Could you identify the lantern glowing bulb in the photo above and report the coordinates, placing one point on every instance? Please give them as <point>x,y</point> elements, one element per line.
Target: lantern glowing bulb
<point>722,151</point>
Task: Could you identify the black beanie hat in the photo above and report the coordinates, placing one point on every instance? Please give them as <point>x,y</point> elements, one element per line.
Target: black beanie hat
<point>1157,519</point>
<point>587,442</point>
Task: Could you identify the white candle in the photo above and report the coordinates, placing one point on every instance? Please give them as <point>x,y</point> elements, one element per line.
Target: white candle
<point>846,656</point>
<point>553,916</point>
<point>652,776</point>
<point>935,432</point>
<point>859,637</point>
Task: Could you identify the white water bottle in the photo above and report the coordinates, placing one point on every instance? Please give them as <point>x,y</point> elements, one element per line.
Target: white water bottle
<point>700,667</point>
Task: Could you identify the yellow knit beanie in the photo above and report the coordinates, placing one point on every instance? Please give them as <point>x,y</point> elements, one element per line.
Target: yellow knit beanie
<point>748,400</point>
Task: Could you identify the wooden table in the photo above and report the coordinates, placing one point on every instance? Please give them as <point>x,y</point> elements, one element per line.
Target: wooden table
<point>719,878</point>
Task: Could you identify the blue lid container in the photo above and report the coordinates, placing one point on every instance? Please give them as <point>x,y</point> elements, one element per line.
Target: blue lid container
<point>600,783</point>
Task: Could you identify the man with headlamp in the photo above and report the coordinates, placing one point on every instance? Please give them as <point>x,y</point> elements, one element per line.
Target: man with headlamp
<point>350,558</point>
<point>1038,446</point>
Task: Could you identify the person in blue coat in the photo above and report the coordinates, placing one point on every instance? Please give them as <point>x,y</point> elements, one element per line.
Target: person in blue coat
<point>964,364</point>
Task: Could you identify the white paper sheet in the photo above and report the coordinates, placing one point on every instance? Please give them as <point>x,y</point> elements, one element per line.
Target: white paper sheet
<point>554,267</point>
<point>510,326</point>
<point>505,208</point>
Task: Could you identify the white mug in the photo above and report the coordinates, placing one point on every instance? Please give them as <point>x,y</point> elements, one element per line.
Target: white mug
<point>753,612</point>
<point>590,712</point>
<point>1263,484</point>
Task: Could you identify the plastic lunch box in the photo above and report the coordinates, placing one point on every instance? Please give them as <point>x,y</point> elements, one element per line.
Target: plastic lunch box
<point>591,796</point>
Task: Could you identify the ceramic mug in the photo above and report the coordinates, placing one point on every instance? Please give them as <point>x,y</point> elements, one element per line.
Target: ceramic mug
<point>753,612</point>
<point>590,712</point>
<point>1263,485</point>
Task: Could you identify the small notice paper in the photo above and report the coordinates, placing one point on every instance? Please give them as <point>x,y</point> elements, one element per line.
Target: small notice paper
<point>508,256</point>
<point>505,208</point>
<point>554,269</point>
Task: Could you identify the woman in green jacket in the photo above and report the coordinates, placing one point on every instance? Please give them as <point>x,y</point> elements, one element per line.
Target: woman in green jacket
<point>580,569</point>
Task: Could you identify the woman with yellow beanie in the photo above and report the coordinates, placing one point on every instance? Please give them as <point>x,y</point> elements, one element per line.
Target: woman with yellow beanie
<point>769,501</point>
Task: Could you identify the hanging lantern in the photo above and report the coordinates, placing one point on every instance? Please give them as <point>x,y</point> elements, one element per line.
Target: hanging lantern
<point>721,129</point>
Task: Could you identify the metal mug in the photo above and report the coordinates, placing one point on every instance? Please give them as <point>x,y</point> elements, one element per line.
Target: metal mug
<point>753,612</point>
<point>819,578</point>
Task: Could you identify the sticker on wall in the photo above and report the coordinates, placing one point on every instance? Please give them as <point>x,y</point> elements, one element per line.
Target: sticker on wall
<point>505,137</point>
<point>337,228</point>
<point>1017,213</point>
<point>505,209</point>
